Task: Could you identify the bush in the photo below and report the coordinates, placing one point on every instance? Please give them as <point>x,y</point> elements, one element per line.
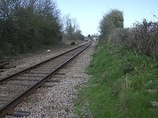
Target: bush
<point>142,38</point>
<point>26,25</point>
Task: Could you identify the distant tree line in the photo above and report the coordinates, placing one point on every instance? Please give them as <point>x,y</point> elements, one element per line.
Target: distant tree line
<point>142,38</point>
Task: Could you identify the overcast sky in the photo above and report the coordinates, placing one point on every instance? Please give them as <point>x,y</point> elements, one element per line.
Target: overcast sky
<point>88,13</point>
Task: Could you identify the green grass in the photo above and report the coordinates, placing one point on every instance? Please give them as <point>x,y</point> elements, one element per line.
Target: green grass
<point>119,85</point>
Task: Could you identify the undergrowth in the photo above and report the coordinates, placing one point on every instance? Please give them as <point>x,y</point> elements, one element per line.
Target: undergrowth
<point>120,85</point>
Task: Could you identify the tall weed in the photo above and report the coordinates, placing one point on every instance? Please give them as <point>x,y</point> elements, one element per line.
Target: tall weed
<point>119,84</point>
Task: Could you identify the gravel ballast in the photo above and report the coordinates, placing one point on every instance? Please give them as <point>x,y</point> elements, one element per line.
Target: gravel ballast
<point>27,60</point>
<point>56,101</point>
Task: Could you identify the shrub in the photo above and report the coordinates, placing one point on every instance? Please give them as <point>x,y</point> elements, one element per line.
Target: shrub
<point>26,25</point>
<point>142,38</point>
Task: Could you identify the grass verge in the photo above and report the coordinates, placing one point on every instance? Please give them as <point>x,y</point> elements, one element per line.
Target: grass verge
<point>123,85</point>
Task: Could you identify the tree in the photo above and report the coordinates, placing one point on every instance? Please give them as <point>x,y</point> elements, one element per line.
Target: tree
<point>78,35</point>
<point>71,29</point>
<point>114,19</point>
<point>28,24</point>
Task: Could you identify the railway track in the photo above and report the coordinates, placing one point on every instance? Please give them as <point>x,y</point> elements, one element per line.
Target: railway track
<point>17,87</point>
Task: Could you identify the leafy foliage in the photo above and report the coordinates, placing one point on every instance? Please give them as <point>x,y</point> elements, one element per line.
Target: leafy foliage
<point>28,24</point>
<point>114,19</point>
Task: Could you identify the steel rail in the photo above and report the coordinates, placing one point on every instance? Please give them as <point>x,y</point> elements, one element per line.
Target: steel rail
<point>36,65</point>
<point>23,95</point>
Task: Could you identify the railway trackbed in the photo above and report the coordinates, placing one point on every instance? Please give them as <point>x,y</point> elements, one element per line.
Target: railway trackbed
<point>17,87</point>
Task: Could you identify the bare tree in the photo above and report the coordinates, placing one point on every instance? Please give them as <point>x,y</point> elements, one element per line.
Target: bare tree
<point>71,27</point>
